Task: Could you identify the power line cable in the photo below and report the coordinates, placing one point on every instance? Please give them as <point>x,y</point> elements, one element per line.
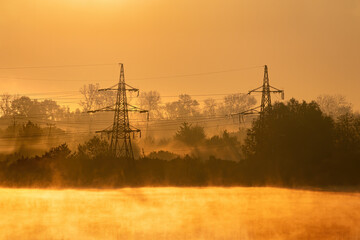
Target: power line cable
<point>59,66</point>
<point>196,74</point>
<point>131,79</point>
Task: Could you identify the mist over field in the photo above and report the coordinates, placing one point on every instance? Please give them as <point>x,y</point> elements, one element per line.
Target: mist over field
<point>157,119</point>
<point>179,213</point>
<point>199,171</point>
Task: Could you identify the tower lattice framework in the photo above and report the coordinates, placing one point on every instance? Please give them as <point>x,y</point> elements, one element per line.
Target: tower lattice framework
<point>120,143</point>
<point>121,130</point>
<point>266,89</point>
<point>266,97</point>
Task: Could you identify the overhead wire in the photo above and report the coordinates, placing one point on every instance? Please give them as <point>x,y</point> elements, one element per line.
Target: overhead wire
<point>196,74</point>
<point>69,95</point>
<point>131,79</point>
<point>57,66</point>
<point>46,135</point>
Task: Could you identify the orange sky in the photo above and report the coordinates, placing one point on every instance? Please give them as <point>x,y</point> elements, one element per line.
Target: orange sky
<point>310,46</point>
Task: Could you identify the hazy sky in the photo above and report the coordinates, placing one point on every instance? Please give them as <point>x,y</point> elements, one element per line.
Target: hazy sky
<point>311,46</point>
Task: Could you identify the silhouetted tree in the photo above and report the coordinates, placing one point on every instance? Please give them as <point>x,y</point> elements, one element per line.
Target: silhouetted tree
<point>5,104</point>
<point>235,103</point>
<point>94,99</point>
<point>94,147</point>
<point>51,109</point>
<point>189,134</point>
<point>346,159</point>
<point>290,143</point>
<point>151,101</point>
<point>30,132</point>
<point>26,107</point>
<point>334,105</point>
<point>224,146</point>
<point>210,107</point>
<point>163,155</point>
<point>184,107</point>
<point>90,94</point>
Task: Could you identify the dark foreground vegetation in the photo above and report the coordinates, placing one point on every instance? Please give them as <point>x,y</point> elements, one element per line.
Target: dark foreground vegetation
<point>293,144</point>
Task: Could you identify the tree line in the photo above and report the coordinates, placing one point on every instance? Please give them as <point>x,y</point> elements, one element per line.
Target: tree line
<point>184,106</point>
<point>293,144</point>
<point>12,106</point>
<point>23,107</point>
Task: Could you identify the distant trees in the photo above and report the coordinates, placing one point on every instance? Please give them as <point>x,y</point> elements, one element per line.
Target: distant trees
<point>347,134</point>
<point>184,107</point>
<point>5,104</point>
<point>61,168</point>
<point>190,135</point>
<point>90,94</point>
<point>293,143</point>
<point>225,146</point>
<point>210,107</point>
<point>346,157</point>
<point>235,103</point>
<point>232,103</point>
<point>334,105</point>
<point>31,132</point>
<point>297,144</point>
<point>94,147</point>
<point>25,107</point>
<point>163,155</point>
<point>51,109</point>
<point>290,143</point>
<point>93,98</point>
<point>151,101</point>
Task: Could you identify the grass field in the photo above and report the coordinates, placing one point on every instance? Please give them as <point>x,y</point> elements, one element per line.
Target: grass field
<point>179,213</point>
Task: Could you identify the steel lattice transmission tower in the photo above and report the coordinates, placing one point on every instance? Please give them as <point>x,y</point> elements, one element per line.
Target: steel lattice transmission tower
<point>121,130</point>
<point>266,89</point>
<point>266,97</point>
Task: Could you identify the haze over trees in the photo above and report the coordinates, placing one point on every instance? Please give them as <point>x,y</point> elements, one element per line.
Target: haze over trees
<point>25,107</point>
<point>210,107</point>
<point>334,105</point>
<point>184,107</point>
<point>190,135</point>
<point>78,125</point>
<point>235,103</point>
<point>95,99</point>
<point>293,144</point>
<point>151,101</point>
